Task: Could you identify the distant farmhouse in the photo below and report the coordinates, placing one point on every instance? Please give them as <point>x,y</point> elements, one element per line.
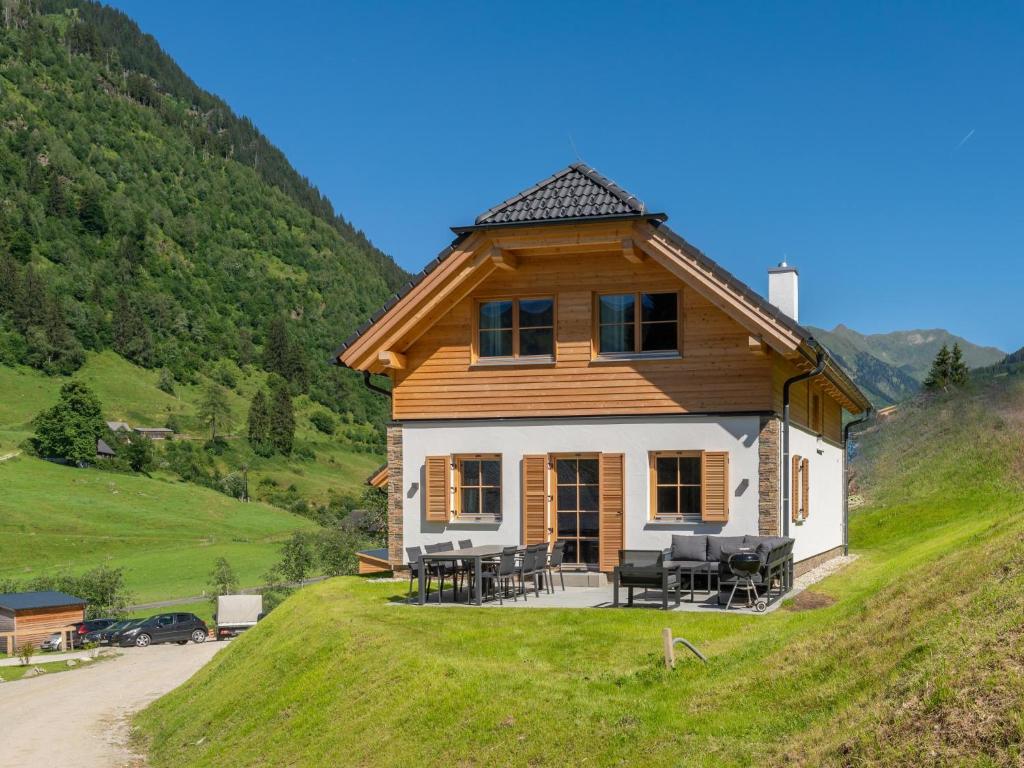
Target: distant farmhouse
<point>105,451</point>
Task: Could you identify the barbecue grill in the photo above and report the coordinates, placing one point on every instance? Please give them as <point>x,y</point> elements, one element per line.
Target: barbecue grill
<point>744,566</point>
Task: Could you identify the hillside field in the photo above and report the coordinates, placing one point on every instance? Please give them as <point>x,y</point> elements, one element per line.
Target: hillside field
<point>916,662</point>
<point>165,535</point>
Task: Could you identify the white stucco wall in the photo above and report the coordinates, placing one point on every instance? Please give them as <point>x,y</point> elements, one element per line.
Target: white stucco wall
<point>632,436</point>
<point>823,528</point>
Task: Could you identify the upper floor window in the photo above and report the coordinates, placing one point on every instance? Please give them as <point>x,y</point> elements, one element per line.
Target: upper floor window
<point>513,328</point>
<point>629,323</point>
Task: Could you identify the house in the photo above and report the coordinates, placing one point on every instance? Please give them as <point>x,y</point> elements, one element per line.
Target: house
<point>118,426</point>
<point>103,449</point>
<point>154,433</point>
<point>31,617</point>
<point>570,368</point>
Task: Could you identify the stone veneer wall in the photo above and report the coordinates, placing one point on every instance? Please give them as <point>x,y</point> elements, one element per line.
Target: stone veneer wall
<point>395,537</point>
<point>799,569</point>
<point>769,480</point>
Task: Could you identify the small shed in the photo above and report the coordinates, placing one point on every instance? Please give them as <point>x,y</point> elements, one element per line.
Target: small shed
<point>373,561</point>
<point>154,433</point>
<point>31,617</point>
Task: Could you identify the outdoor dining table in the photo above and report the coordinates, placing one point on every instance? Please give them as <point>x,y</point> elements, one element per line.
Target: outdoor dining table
<point>476,555</point>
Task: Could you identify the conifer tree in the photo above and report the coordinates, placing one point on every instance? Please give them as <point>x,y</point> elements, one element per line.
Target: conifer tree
<point>91,213</point>
<point>958,371</point>
<point>939,375</point>
<point>56,201</point>
<point>282,419</point>
<point>259,425</point>
<point>215,410</point>
<point>276,347</point>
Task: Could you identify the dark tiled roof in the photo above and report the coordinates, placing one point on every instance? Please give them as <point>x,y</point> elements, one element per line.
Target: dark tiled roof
<point>576,192</point>
<point>379,554</point>
<point>21,601</point>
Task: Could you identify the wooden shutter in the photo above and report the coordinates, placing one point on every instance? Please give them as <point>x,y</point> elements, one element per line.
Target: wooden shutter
<point>805,487</point>
<point>795,489</point>
<point>714,506</point>
<point>535,499</point>
<point>437,493</point>
<point>613,499</point>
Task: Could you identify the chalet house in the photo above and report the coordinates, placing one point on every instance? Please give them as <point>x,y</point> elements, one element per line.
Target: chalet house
<point>31,617</point>
<point>570,368</point>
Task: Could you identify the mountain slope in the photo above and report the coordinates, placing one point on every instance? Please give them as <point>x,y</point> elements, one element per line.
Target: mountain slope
<point>137,213</point>
<point>911,658</point>
<point>890,367</point>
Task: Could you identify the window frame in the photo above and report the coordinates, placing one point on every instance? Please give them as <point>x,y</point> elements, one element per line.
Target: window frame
<point>638,324</point>
<point>653,485</point>
<point>516,357</point>
<point>458,486</point>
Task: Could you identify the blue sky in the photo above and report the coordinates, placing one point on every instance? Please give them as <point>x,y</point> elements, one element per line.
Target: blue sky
<point>877,146</point>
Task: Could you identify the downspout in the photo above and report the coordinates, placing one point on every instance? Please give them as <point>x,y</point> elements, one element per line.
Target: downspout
<point>373,387</point>
<point>846,477</point>
<point>786,479</point>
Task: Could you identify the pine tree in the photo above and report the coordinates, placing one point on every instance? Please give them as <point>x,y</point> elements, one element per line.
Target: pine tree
<point>215,410</point>
<point>276,349</point>
<point>56,200</point>
<point>939,375</point>
<point>958,371</point>
<point>282,419</point>
<point>259,425</point>
<point>91,213</point>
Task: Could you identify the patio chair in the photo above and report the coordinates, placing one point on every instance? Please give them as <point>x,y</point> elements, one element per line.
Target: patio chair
<point>555,564</point>
<point>542,566</point>
<point>414,554</point>
<point>645,569</point>
<point>502,577</point>
<point>464,569</point>
<point>443,570</point>
<point>527,568</point>
<point>535,562</point>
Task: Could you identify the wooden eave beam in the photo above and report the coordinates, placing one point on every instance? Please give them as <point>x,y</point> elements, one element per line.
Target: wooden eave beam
<point>501,258</point>
<point>391,359</point>
<point>631,252</point>
<point>714,290</point>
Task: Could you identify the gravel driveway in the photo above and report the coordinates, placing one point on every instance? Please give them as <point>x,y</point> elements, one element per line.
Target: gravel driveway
<point>80,717</point>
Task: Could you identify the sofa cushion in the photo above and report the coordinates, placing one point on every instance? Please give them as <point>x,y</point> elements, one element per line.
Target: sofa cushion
<point>716,543</point>
<point>690,547</point>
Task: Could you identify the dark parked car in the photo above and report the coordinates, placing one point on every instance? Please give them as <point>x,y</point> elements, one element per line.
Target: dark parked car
<point>102,636</point>
<point>162,628</point>
<point>83,628</point>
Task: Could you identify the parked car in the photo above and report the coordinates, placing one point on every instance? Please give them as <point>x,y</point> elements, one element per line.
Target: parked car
<point>102,636</point>
<point>162,628</point>
<point>83,628</point>
<point>54,642</point>
<point>237,613</point>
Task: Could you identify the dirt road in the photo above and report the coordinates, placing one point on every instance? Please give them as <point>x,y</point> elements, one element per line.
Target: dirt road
<point>80,717</point>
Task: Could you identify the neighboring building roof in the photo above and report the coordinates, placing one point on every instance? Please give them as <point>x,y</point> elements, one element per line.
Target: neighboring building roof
<point>579,194</point>
<point>102,449</point>
<point>114,426</point>
<point>574,193</point>
<point>376,554</point>
<point>23,601</point>
<point>379,478</point>
<point>154,429</point>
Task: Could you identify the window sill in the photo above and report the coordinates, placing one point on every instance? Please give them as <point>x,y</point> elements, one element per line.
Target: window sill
<point>675,521</point>
<point>636,357</point>
<point>476,520</point>
<point>512,362</point>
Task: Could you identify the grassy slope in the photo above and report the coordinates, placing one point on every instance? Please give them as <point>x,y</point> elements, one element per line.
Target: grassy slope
<point>165,535</point>
<point>916,663</point>
<point>129,393</point>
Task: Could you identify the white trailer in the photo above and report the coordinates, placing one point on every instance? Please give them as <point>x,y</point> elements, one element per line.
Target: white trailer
<point>236,613</point>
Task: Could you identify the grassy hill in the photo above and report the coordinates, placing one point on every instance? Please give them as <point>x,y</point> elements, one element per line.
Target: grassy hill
<point>890,367</point>
<point>914,660</point>
<point>166,536</point>
<point>334,463</point>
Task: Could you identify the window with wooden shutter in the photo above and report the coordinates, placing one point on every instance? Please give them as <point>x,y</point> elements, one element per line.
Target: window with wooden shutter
<point>436,492</point>
<point>612,502</point>
<point>535,499</point>
<point>715,487</point>
<point>805,488</point>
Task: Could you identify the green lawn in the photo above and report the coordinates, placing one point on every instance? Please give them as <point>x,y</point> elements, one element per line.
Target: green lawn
<point>916,663</point>
<point>165,535</point>
<point>7,674</point>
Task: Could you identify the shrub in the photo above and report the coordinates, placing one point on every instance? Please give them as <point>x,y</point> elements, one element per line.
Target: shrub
<point>26,652</point>
<point>324,421</point>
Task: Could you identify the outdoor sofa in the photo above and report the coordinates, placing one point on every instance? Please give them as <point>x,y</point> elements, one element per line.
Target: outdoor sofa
<point>708,556</point>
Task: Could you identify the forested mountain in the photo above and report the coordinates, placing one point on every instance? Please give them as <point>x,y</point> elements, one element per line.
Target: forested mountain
<point>890,367</point>
<point>139,214</point>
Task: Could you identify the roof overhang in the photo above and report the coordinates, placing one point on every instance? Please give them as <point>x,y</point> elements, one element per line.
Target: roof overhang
<point>558,222</point>
<point>479,250</point>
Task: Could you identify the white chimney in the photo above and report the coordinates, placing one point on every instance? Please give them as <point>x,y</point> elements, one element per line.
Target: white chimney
<point>783,289</point>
